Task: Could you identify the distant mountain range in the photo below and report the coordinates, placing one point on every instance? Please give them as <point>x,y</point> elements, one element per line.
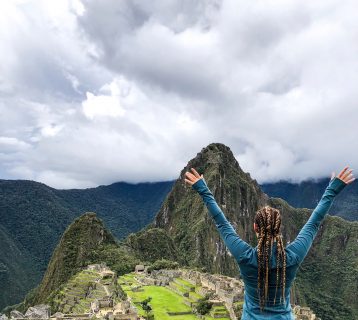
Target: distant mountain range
<point>33,216</point>
<point>307,194</point>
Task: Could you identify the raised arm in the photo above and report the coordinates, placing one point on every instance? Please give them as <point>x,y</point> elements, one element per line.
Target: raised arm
<point>301,245</point>
<point>238,247</point>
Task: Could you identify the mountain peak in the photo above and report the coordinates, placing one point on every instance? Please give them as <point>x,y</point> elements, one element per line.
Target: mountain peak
<point>185,218</point>
<point>216,157</point>
<point>84,235</point>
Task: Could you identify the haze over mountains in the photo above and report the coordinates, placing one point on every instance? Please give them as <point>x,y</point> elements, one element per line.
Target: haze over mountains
<point>181,231</point>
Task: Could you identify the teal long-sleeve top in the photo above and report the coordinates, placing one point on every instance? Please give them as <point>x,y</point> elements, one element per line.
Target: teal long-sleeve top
<point>246,255</point>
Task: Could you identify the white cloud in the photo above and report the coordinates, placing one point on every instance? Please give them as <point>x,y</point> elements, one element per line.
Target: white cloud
<point>12,144</point>
<point>102,106</point>
<point>93,92</point>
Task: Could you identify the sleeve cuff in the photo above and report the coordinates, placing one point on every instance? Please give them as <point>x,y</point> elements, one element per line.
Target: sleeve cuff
<point>199,185</point>
<point>337,185</point>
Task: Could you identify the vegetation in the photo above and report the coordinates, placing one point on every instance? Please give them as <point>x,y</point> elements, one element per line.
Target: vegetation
<point>163,264</point>
<point>31,212</point>
<point>204,305</point>
<point>86,241</point>
<point>163,300</point>
<point>147,308</point>
<point>152,244</point>
<point>238,309</point>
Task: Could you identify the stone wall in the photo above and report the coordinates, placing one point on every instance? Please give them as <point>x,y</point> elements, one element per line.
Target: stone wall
<point>304,313</point>
<point>228,290</point>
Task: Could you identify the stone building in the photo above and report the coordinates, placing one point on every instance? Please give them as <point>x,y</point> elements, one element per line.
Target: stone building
<point>304,313</point>
<point>139,268</point>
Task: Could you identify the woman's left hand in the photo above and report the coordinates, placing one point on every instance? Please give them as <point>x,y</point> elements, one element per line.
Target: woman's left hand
<point>191,178</point>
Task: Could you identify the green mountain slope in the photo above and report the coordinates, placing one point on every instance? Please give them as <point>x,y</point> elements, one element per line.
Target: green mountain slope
<point>85,241</point>
<point>85,234</point>
<point>14,266</point>
<point>31,212</point>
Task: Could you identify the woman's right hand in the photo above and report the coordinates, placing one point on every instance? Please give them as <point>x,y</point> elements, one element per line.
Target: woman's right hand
<point>345,175</point>
<point>192,177</point>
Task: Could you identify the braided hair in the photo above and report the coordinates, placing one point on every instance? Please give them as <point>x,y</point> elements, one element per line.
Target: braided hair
<point>268,222</point>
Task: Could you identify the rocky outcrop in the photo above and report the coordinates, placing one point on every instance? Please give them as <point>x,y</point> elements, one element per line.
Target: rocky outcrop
<point>41,311</point>
<point>58,315</point>
<point>14,314</point>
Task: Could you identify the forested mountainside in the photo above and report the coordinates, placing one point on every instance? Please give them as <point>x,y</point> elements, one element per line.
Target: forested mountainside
<point>33,216</point>
<point>307,194</point>
<point>16,268</point>
<point>85,241</point>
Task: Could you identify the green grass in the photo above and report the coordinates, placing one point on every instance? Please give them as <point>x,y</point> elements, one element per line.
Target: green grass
<point>180,287</point>
<point>195,296</point>
<point>219,310</point>
<point>184,282</point>
<point>163,299</point>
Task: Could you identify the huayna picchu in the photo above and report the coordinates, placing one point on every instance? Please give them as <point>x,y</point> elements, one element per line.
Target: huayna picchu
<point>181,261</point>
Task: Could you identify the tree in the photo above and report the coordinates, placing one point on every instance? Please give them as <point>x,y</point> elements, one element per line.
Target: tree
<point>147,308</point>
<point>204,305</point>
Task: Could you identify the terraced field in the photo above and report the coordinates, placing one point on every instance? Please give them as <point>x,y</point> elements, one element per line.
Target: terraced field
<point>173,302</point>
<point>79,292</point>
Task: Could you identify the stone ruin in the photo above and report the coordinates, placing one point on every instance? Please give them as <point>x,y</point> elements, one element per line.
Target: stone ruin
<point>121,311</point>
<point>99,267</point>
<point>105,307</point>
<point>139,268</point>
<point>40,311</point>
<point>226,290</point>
<point>105,302</point>
<point>304,313</point>
<point>43,311</point>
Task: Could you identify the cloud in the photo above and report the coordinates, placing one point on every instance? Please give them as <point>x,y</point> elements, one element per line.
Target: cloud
<point>95,92</point>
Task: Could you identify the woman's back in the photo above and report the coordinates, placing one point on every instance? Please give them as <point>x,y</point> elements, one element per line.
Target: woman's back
<point>274,308</point>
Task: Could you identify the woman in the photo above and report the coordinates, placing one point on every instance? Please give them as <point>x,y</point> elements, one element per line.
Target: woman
<point>268,270</point>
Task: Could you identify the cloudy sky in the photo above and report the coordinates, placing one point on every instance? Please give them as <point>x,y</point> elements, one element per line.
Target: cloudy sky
<point>93,92</point>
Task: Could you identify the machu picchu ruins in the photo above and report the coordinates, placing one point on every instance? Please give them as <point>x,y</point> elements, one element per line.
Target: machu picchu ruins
<point>98,293</point>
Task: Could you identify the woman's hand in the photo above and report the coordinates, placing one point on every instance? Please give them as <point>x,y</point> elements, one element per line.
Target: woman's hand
<point>191,178</point>
<point>345,175</point>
